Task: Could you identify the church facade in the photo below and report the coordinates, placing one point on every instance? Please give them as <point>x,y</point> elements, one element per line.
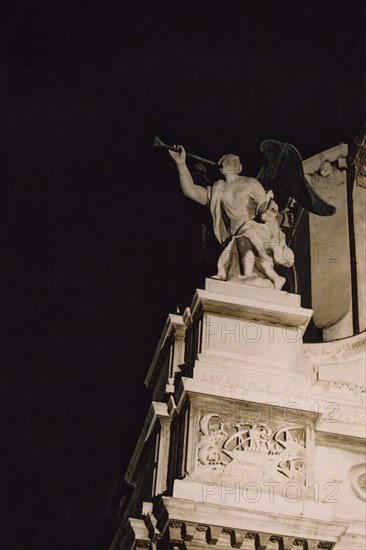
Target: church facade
<point>255,438</point>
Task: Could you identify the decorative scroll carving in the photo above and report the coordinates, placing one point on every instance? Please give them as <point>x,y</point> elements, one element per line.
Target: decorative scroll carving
<point>275,538</point>
<point>267,450</point>
<point>346,387</point>
<point>237,538</point>
<point>358,480</point>
<point>176,524</point>
<point>299,542</point>
<point>326,349</point>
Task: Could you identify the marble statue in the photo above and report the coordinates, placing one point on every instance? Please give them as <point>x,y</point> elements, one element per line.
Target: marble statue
<point>244,220</point>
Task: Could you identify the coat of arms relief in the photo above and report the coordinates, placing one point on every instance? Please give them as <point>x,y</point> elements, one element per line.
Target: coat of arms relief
<point>270,450</point>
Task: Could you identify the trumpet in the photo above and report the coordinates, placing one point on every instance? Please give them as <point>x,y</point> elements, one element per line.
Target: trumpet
<point>158,143</point>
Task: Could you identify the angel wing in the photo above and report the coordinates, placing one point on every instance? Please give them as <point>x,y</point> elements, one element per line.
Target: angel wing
<point>284,174</point>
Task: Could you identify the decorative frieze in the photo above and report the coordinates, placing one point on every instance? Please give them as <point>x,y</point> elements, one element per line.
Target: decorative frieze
<point>348,346</point>
<point>186,534</point>
<point>318,399</point>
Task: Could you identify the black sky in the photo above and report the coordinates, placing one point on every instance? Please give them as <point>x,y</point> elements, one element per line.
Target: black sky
<point>98,244</point>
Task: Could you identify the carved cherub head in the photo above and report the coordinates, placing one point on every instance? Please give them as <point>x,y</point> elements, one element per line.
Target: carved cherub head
<point>230,164</point>
<point>271,213</point>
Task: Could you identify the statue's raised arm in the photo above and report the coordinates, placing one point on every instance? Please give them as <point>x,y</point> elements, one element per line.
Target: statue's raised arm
<point>189,188</point>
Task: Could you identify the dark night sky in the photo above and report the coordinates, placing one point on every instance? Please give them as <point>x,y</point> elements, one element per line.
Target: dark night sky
<point>98,244</point>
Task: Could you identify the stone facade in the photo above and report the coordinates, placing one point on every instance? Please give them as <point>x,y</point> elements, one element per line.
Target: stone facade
<point>331,241</point>
<point>254,439</point>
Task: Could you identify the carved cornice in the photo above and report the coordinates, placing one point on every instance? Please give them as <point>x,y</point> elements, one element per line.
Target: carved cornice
<point>350,389</point>
<point>248,308</point>
<point>211,533</point>
<point>314,164</point>
<point>352,345</point>
<point>349,409</point>
<point>269,392</point>
<point>138,534</point>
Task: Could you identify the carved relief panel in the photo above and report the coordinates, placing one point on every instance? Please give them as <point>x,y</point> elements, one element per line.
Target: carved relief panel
<point>255,442</point>
<point>267,450</point>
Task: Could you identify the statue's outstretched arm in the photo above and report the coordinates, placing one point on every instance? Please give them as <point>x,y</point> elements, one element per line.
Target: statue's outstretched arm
<point>189,188</point>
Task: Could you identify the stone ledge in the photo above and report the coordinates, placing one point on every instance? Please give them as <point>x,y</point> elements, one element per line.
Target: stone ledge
<point>313,164</point>
<point>241,291</point>
<point>180,510</point>
<point>252,309</point>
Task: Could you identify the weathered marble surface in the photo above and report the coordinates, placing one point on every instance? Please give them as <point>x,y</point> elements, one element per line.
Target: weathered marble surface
<point>329,245</point>
<point>255,439</point>
<point>248,433</point>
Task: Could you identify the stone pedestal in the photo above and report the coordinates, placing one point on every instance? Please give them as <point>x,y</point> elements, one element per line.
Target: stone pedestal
<point>254,440</point>
<point>247,331</point>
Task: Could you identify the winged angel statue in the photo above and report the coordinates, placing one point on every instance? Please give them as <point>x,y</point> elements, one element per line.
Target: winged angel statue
<point>245,210</point>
